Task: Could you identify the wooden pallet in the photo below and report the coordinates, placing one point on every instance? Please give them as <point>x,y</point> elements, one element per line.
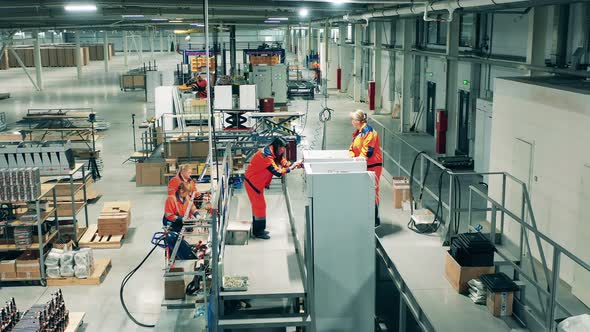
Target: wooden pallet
<point>75,322</point>
<point>102,266</point>
<point>91,239</point>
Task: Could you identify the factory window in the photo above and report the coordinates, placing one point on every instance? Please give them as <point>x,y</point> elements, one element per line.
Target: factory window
<point>466,30</point>
<point>349,33</point>
<point>436,32</point>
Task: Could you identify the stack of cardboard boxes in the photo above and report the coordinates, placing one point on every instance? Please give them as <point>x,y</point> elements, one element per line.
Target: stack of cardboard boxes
<point>114,218</point>
<point>25,266</point>
<point>401,193</point>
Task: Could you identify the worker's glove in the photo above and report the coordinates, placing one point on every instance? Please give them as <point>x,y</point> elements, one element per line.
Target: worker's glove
<point>196,214</point>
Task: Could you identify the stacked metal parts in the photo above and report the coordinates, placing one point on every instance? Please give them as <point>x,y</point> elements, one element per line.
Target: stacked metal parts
<point>50,317</point>
<point>20,184</point>
<point>51,159</point>
<point>9,316</point>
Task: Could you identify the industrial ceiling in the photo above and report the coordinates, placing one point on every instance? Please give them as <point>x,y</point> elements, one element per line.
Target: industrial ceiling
<point>177,14</point>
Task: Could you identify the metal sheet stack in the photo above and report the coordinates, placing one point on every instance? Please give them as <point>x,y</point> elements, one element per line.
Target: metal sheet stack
<point>20,184</point>
<point>55,159</point>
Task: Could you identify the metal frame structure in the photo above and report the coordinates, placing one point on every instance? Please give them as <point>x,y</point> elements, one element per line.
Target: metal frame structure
<point>545,284</point>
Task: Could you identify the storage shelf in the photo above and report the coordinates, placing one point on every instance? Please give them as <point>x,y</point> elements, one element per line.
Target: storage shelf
<point>49,213</point>
<point>34,246</point>
<point>78,209</point>
<point>46,188</point>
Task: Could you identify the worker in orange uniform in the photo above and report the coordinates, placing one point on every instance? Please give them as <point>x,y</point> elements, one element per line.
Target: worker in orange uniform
<point>365,144</point>
<point>183,176</point>
<point>178,207</point>
<point>316,73</point>
<point>265,164</point>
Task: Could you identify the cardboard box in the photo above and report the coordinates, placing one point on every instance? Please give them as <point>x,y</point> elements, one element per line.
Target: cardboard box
<point>8,266</point>
<point>174,287</point>
<point>150,174</point>
<point>28,263</point>
<point>7,275</point>
<point>29,275</point>
<point>52,57</point>
<point>180,149</point>
<point>114,218</point>
<point>61,57</point>
<point>500,304</point>
<point>401,191</point>
<point>459,275</point>
<point>45,57</point>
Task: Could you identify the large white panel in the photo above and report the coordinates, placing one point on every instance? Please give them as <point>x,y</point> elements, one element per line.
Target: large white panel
<point>581,286</point>
<point>558,122</point>
<point>223,97</point>
<point>163,105</point>
<point>248,97</point>
<point>343,232</point>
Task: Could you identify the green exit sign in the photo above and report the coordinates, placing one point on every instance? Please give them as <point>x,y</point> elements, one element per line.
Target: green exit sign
<point>429,74</point>
<point>465,82</point>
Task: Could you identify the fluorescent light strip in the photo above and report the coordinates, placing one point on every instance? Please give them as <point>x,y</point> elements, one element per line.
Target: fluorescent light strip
<point>80,8</point>
<point>132,16</point>
<point>159,19</point>
<point>175,21</point>
<point>278,18</point>
<point>198,24</point>
<point>270,21</point>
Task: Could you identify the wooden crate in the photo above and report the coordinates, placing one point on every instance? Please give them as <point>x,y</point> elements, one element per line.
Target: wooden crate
<point>102,266</point>
<point>91,239</point>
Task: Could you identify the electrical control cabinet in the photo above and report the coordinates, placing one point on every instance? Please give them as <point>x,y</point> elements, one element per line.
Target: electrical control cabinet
<point>271,82</point>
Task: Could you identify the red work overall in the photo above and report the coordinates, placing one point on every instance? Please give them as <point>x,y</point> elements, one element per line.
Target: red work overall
<point>258,176</point>
<point>365,143</point>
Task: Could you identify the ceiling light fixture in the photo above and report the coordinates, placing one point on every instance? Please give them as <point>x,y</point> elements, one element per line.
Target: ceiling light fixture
<point>278,18</point>
<point>159,19</point>
<point>198,24</point>
<point>80,8</point>
<point>272,21</point>
<point>303,12</point>
<point>175,21</point>
<point>132,16</point>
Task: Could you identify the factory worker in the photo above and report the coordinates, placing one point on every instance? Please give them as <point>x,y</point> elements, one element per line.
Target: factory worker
<point>365,144</point>
<point>266,163</point>
<point>183,176</point>
<point>201,87</point>
<point>177,206</point>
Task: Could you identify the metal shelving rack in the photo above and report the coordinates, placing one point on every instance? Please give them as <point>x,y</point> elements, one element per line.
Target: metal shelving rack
<point>75,188</point>
<point>46,189</point>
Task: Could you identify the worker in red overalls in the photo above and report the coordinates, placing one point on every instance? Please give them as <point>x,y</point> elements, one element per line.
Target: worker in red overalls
<point>201,87</point>
<point>365,144</point>
<point>265,164</point>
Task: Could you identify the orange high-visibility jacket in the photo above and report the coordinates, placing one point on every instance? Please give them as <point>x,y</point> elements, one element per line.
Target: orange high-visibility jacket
<point>176,207</point>
<point>263,166</point>
<point>175,183</point>
<point>365,143</point>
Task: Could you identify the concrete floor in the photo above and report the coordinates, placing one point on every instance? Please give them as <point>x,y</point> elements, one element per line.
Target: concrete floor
<point>100,91</point>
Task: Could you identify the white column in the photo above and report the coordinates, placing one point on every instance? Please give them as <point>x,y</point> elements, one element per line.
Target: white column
<point>161,43</point>
<point>452,83</point>
<point>407,75</point>
<point>326,58</point>
<point>377,73</point>
<point>125,49</point>
<point>78,55</point>
<point>38,64</point>
<point>106,51</point>
<point>538,22</point>
<point>358,35</point>
<point>151,37</point>
<point>140,46</point>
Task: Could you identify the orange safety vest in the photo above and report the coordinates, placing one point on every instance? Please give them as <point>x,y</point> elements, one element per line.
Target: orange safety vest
<point>176,207</point>
<point>365,143</point>
<point>262,168</point>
